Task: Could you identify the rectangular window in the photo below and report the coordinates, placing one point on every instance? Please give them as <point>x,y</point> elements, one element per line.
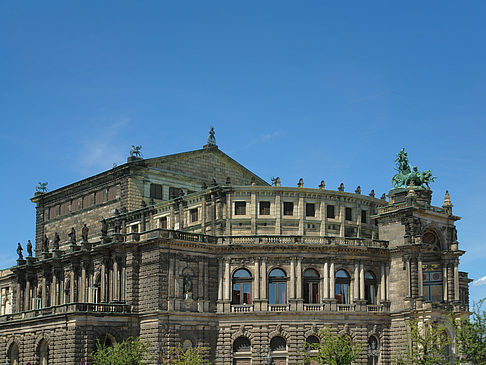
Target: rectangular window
<point>163,223</point>
<point>310,210</point>
<point>363,216</point>
<point>348,214</point>
<point>240,208</point>
<point>194,215</point>
<point>288,208</point>
<point>156,191</point>
<point>135,228</point>
<point>174,192</point>
<point>330,211</point>
<point>264,208</point>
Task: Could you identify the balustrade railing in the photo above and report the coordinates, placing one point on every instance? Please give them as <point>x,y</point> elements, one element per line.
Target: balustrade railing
<point>278,307</point>
<point>242,308</point>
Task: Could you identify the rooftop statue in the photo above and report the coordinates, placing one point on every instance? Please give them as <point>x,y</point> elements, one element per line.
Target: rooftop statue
<point>406,175</point>
<point>211,138</point>
<point>41,188</point>
<point>135,151</point>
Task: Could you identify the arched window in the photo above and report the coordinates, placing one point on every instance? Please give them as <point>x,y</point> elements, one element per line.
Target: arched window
<point>13,354</point>
<point>241,287</point>
<point>277,287</point>
<point>310,349</point>
<point>105,340</point>
<point>373,350</point>
<point>278,348</point>
<point>242,351</point>
<point>311,286</point>
<point>342,287</point>
<point>278,343</point>
<point>370,288</point>
<point>43,353</point>
<point>242,344</point>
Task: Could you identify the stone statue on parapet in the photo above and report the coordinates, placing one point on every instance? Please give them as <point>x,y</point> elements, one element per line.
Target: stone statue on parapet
<point>41,188</point>
<point>104,227</point>
<point>57,239</point>
<point>135,151</point>
<point>19,251</point>
<point>72,236</point>
<point>29,248</point>
<point>45,244</point>
<point>84,233</point>
<point>406,175</point>
<point>211,137</point>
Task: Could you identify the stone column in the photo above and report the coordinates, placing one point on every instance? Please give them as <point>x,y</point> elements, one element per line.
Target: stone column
<point>382,284</point>
<point>44,292</point>
<point>200,283</point>
<point>203,214</point>
<point>409,282</point>
<point>54,289</point>
<point>263,288</point>
<point>292,279</point>
<point>361,282</point>
<point>256,294</point>
<point>356,282</point>
<point>115,280</point>
<point>332,286</point>
<point>171,223</point>
<point>18,296</point>
<point>301,214</point>
<point>420,277</point>
<point>229,212</point>
<point>326,281</point>
<point>103,283</point>
<point>322,217</point>
<point>387,280</point>
<point>82,285</point>
<point>341,217</point>
<point>444,280</point>
<point>220,279</point>
<point>278,213</point>
<point>450,282</point>
<point>27,294</point>
<point>253,213</point>
<point>123,280</point>
<point>299,278</point>
<point>72,284</point>
<point>227,278</point>
<point>456,281</point>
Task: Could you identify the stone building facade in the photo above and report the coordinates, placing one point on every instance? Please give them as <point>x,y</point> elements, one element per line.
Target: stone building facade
<point>195,249</point>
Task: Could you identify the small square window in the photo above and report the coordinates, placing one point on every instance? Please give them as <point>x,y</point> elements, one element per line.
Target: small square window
<point>163,223</point>
<point>363,216</point>
<point>156,191</point>
<point>310,210</point>
<point>288,208</point>
<point>240,208</point>
<point>135,228</point>
<point>264,208</point>
<point>348,214</point>
<point>330,211</point>
<point>193,214</point>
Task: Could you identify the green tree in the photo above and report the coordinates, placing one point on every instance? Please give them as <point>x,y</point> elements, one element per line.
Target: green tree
<point>191,356</point>
<point>429,345</point>
<point>471,336</point>
<point>334,349</point>
<point>132,351</point>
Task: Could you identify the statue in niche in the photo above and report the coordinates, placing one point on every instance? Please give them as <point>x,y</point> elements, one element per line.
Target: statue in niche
<point>104,227</point>
<point>72,236</point>
<point>187,285</point>
<point>57,239</point>
<point>29,248</point>
<point>84,233</point>
<point>19,251</point>
<point>45,244</point>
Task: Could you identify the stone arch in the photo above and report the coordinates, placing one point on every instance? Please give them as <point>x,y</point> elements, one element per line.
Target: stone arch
<point>279,331</point>
<point>242,332</point>
<point>313,331</point>
<point>42,337</point>
<point>432,228</point>
<point>13,351</point>
<point>42,349</point>
<point>243,267</point>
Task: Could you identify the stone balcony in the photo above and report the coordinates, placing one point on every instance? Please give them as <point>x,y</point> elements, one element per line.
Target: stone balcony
<point>316,307</point>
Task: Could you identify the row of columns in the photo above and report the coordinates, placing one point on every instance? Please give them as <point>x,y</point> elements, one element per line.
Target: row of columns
<point>111,286</point>
<point>327,275</point>
<point>450,278</point>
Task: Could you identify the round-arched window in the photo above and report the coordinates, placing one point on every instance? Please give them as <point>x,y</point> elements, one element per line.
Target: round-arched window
<point>13,354</point>
<point>43,353</point>
<point>342,282</point>
<point>373,350</point>
<point>277,287</point>
<point>242,344</point>
<point>311,286</point>
<point>278,343</point>
<point>241,287</point>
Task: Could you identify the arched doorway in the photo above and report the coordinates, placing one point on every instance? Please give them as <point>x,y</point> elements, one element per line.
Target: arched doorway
<point>43,352</point>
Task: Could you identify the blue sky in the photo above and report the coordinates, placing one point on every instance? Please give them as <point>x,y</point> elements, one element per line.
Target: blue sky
<point>314,89</point>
